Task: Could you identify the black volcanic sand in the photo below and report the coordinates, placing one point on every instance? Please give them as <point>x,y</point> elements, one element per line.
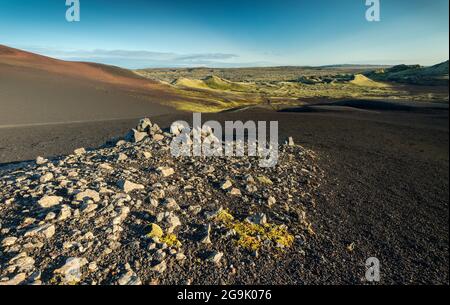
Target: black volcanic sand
<point>386,191</point>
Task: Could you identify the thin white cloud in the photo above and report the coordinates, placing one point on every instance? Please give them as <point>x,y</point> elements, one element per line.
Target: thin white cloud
<point>141,59</point>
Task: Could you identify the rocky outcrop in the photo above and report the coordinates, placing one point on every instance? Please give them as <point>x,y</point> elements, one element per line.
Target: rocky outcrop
<point>94,218</point>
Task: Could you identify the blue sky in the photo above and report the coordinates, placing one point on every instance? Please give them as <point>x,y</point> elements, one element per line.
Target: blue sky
<point>225,33</point>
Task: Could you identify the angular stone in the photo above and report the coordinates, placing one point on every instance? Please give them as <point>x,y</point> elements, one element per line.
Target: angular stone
<point>129,279</point>
<point>158,194</point>
<point>128,186</point>
<point>45,231</point>
<point>264,180</point>
<point>173,222</point>
<point>235,192</point>
<point>226,185</point>
<point>146,154</point>
<point>171,204</point>
<point>215,257</point>
<point>87,195</point>
<point>93,267</point>
<point>158,137</point>
<point>166,171</point>
<point>159,255</point>
<point>271,201</point>
<point>206,238</point>
<point>120,143</point>
<point>64,213</point>
<point>144,125</point>
<point>259,219</point>
<point>46,178</point>
<point>155,129</point>
<point>89,207</point>
<point>9,241</point>
<point>50,216</point>
<point>291,141</point>
<point>49,201</point>
<point>176,128</point>
<point>195,209</point>
<point>71,271</point>
<point>137,136</point>
<point>41,161</point>
<point>16,280</point>
<point>180,256</point>
<point>160,267</point>
<point>106,167</point>
<point>79,151</point>
<point>23,263</point>
<point>121,157</point>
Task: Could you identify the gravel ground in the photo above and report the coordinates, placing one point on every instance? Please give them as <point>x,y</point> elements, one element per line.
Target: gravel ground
<point>385,190</point>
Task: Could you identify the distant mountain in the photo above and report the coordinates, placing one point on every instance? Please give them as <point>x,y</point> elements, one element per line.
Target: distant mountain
<point>436,75</point>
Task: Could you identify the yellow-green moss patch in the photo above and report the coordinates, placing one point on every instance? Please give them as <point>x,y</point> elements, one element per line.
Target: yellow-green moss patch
<point>155,231</point>
<point>252,236</point>
<point>170,240</point>
<point>264,180</point>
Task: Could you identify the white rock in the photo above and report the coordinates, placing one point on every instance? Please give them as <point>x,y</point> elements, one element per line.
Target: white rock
<point>122,157</point>
<point>206,239</point>
<point>46,178</point>
<point>89,207</point>
<point>144,125</point>
<point>215,257</point>
<point>176,128</point>
<point>271,201</point>
<point>170,204</point>
<point>71,271</point>
<point>129,279</point>
<point>93,267</point>
<point>165,171</point>
<point>9,241</point>
<point>64,213</point>
<point>16,280</point>
<point>128,186</point>
<point>86,195</point>
<point>146,154</point>
<point>137,136</point>
<point>226,185</point>
<point>45,231</point>
<point>79,151</point>
<point>259,219</point>
<point>50,216</point>
<point>160,267</point>
<point>24,263</point>
<point>235,192</point>
<point>49,201</point>
<point>41,161</point>
<point>291,141</point>
<point>173,222</point>
<point>158,137</point>
<point>106,167</point>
